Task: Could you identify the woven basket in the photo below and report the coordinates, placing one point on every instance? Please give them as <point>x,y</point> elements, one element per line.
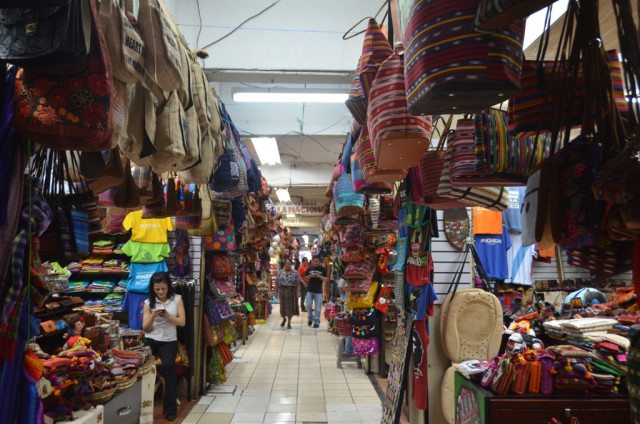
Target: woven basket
<point>127,383</point>
<point>344,326</point>
<point>146,367</point>
<point>102,397</point>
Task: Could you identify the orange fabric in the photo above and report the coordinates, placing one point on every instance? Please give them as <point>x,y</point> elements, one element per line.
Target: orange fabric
<point>486,221</point>
<point>547,253</point>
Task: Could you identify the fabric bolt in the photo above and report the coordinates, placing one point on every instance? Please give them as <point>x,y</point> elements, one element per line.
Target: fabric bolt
<point>512,217</point>
<point>420,343</point>
<point>314,306</point>
<point>163,330</point>
<point>134,305</point>
<point>492,250</point>
<point>153,230</point>
<point>146,252</point>
<point>486,221</point>
<point>520,259</point>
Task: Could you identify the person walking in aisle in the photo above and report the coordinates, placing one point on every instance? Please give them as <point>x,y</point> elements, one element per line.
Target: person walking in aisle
<point>302,272</point>
<point>288,281</point>
<point>315,278</point>
<point>163,314</point>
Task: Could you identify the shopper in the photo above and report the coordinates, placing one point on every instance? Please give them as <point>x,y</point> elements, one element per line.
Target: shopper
<point>302,272</point>
<point>163,314</point>
<point>315,278</point>
<point>288,282</point>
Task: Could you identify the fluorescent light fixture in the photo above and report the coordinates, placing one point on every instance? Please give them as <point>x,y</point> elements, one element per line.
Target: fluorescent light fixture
<point>290,215</point>
<point>267,150</point>
<point>283,195</point>
<point>305,238</point>
<point>289,96</point>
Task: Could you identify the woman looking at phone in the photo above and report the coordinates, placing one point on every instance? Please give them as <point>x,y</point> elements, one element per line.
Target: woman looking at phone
<point>163,314</point>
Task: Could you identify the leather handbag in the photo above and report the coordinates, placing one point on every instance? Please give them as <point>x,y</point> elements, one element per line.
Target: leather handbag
<point>72,111</point>
<point>45,34</point>
<point>398,138</point>
<point>450,68</point>
<point>493,15</point>
<point>126,48</point>
<point>163,64</point>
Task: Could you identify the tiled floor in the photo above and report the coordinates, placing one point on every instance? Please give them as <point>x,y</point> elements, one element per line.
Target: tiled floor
<point>290,376</point>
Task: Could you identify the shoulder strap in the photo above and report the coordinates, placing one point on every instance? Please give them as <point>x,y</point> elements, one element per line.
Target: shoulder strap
<point>458,275</point>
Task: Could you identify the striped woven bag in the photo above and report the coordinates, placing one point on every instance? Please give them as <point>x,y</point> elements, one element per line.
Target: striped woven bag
<point>375,50</point>
<point>398,138</point>
<point>451,68</point>
<point>372,173</point>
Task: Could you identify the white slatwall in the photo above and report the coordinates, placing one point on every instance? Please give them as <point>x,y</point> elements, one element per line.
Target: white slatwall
<point>446,259</point>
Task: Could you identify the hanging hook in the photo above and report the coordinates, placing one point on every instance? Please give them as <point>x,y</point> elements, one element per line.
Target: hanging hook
<point>346,35</point>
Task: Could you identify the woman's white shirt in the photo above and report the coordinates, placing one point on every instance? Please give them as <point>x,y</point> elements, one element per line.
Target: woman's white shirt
<point>163,330</point>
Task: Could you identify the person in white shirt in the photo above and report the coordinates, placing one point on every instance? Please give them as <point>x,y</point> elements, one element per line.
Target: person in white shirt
<point>163,314</point>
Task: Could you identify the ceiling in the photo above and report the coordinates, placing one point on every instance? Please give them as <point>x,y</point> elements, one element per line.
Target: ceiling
<point>296,45</point>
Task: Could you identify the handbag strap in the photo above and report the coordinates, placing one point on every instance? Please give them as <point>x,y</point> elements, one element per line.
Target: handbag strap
<point>479,268</point>
<point>458,274</point>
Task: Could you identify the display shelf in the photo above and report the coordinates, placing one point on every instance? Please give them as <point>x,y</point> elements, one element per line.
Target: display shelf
<point>99,274</point>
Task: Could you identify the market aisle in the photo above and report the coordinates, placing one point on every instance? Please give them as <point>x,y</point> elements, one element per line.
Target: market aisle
<point>290,376</point>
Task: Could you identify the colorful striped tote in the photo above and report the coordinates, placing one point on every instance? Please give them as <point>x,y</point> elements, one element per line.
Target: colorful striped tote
<point>368,164</point>
<point>430,169</point>
<point>493,198</point>
<point>495,14</point>
<point>375,50</point>
<point>451,68</point>
<point>534,108</point>
<point>361,186</point>
<point>475,140</point>
<point>357,103</point>
<point>347,202</point>
<point>398,138</point>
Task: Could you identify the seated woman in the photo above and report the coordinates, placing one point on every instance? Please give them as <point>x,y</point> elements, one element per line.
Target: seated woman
<point>163,314</point>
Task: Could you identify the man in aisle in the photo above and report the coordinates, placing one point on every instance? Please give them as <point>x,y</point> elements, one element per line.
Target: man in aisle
<point>302,272</point>
<point>315,277</point>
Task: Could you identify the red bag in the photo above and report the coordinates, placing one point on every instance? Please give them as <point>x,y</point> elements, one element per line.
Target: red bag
<point>398,138</point>
<point>222,266</point>
<point>68,109</point>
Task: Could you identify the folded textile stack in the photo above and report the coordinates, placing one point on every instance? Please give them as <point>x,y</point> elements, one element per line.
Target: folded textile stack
<point>74,267</point>
<point>126,359</point>
<point>121,287</point>
<point>78,286</point>
<point>118,249</point>
<point>101,286</point>
<point>113,302</point>
<point>585,326</point>
<point>92,264</point>
<point>103,246</point>
<point>94,306</point>
<point>115,265</point>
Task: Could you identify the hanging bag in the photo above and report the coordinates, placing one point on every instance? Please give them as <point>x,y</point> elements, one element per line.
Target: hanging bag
<point>493,198</point>
<point>162,61</point>
<point>45,33</point>
<point>125,45</point>
<point>450,68</point>
<point>493,15</point>
<point>368,164</point>
<point>72,111</point>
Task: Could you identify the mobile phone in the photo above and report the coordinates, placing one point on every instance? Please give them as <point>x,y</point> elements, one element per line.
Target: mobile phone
<point>161,310</point>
